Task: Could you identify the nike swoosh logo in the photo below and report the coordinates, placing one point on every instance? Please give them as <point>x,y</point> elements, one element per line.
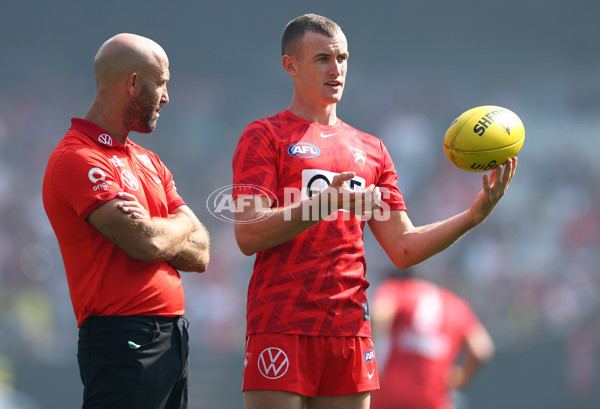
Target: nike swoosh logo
<point>326,135</point>
<point>371,374</point>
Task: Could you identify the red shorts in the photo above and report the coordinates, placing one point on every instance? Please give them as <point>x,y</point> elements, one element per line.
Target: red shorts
<point>309,365</point>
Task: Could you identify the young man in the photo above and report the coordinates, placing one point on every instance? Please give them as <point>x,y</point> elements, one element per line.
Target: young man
<point>303,178</point>
<point>424,328</point>
<point>123,231</point>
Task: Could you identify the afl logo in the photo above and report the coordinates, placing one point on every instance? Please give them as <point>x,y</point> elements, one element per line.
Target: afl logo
<point>370,355</point>
<point>304,150</point>
<point>105,139</point>
<point>273,363</point>
<point>220,203</point>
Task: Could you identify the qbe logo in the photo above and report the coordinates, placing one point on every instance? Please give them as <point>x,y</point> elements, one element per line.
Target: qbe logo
<point>273,363</point>
<point>370,355</point>
<point>221,204</point>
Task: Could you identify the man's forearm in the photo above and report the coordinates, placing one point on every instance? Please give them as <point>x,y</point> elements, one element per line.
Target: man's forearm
<point>195,253</point>
<point>275,226</point>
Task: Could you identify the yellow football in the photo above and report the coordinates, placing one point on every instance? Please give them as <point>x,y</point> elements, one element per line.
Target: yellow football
<point>484,137</point>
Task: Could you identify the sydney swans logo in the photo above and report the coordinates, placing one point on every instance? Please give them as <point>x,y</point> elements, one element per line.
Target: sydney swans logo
<point>273,363</point>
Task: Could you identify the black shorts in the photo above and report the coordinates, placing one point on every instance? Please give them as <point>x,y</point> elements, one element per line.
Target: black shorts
<point>133,362</point>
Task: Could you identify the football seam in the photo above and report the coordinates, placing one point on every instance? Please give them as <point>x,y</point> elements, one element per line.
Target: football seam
<point>486,150</point>
<point>462,126</point>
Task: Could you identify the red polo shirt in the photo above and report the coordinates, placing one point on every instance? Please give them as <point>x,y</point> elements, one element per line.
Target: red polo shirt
<point>87,169</point>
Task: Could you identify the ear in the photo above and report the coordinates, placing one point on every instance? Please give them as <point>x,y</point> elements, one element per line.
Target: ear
<point>133,83</point>
<point>289,64</point>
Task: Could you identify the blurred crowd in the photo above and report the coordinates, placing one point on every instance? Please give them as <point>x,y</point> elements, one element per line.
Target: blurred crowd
<point>530,271</point>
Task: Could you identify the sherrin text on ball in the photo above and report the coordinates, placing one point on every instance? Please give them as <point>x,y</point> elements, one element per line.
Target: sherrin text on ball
<point>484,137</point>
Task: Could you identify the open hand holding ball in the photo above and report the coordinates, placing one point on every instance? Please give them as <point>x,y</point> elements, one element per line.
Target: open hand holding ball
<point>484,137</point>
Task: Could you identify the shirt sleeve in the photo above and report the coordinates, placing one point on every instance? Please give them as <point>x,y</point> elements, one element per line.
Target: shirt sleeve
<point>83,181</point>
<point>388,182</point>
<point>255,163</point>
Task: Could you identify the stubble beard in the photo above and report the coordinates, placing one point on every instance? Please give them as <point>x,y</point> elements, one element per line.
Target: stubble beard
<point>140,114</point>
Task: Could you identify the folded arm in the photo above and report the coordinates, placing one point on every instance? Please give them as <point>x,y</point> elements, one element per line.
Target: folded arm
<point>179,239</point>
<point>143,238</point>
<point>195,252</point>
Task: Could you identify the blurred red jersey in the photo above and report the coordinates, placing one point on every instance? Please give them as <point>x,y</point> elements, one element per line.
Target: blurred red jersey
<point>313,284</point>
<point>427,333</point>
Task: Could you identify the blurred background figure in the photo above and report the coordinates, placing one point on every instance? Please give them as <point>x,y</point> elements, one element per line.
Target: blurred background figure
<point>428,340</point>
<point>11,397</point>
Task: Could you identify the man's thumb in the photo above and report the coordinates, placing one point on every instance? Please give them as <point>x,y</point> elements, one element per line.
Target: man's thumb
<point>338,180</point>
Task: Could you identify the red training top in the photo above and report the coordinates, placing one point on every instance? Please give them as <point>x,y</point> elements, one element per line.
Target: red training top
<point>87,169</point>
<point>313,284</point>
<point>427,333</point>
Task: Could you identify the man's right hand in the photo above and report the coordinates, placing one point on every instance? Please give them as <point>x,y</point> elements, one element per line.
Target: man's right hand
<point>340,196</point>
<point>131,206</point>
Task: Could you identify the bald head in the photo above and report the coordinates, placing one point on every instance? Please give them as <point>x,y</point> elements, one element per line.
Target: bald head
<point>131,85</point>
<point>124,54</point>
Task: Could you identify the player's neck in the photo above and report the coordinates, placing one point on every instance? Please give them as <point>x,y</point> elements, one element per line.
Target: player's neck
<point>322,115</point>
<point>107,120</point>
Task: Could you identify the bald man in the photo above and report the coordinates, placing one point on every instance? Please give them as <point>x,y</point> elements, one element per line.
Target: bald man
<point>124,232</point>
